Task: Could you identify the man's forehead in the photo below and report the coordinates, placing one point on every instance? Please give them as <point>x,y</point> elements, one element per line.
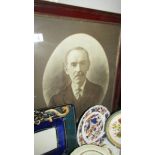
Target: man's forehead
<point>77,54</point>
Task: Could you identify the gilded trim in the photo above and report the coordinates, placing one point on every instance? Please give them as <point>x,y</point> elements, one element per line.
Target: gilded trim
<point>49,115</point>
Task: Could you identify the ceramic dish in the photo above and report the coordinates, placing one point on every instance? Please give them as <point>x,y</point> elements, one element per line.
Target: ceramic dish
<point>91,150</point>
<point>91,129</point>
<point>115,150</point>
<point>113,129</point>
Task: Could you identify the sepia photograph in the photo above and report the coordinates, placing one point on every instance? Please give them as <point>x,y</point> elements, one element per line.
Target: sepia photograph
<point>85,76</point>
<point>75,62</point>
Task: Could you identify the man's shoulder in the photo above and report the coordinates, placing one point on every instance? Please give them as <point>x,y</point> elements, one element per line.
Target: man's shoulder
<point>59,96</point>
<point>94,91</point>
<point>93,85</point>
<point>61,92</point>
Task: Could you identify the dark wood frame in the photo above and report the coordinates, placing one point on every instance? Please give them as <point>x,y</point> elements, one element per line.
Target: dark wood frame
<point>50,8</point>
<point>76,12</point>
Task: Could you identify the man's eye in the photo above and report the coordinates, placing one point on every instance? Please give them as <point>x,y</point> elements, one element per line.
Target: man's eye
<point>73,64</point>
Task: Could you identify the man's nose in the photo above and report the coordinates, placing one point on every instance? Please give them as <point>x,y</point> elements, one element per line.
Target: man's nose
<point>78,67</point>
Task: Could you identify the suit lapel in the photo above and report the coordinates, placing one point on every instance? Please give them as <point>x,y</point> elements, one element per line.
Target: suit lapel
<point>86,89</point>
<point>68,95</point>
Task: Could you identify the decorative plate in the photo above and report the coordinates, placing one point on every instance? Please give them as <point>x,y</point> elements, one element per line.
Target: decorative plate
<point>92,125</point>
<point>115,150</point>
<point>91,150</point>
<point>113,129</point>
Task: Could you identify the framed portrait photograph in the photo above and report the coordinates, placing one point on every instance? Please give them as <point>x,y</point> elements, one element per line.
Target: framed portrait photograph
<point>76,57</point>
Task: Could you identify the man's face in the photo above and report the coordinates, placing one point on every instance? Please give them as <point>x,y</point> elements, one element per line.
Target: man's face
<point>77,66</point>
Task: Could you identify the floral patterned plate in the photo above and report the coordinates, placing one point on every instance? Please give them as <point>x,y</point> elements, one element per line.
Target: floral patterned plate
<point>91,150</point>
<point>92,125</point>
<point>113,129</point>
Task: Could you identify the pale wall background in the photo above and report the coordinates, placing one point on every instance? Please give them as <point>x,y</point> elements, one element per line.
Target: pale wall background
<point>104,5</point>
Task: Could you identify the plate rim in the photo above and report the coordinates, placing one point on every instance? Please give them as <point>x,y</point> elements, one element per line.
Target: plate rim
<point>118,145</point>
<point>104,150</point>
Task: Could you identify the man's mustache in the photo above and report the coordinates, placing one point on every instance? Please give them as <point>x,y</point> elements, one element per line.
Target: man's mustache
<point>79,74</point>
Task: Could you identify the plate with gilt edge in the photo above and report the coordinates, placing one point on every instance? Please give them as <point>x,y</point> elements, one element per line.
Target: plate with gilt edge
<point>91,128</point>
<point>91,150</point>
<point>113,129</point>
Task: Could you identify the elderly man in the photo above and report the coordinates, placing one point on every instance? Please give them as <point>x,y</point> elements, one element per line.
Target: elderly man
<point>80,92</point>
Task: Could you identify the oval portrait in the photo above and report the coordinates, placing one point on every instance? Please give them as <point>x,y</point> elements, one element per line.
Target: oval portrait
<point>76,73</point>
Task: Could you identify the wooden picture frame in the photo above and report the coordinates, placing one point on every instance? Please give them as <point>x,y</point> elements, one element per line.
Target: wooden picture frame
<point>69,17</point>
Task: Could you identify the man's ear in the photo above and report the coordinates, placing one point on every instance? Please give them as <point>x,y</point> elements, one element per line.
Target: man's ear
<point>88,65</point>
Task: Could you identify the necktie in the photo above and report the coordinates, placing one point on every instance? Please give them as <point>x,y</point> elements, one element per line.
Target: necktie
<point>77,93</point>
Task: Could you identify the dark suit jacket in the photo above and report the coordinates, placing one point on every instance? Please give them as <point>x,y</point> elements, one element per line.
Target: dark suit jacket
<point>91,96</point>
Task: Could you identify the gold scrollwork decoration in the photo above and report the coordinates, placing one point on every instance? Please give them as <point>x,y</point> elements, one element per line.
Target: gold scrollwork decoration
<point>49,115</point>
<point>65,110</point>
